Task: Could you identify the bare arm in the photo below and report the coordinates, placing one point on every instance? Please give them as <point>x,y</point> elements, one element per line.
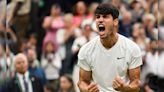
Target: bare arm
<point>84,80</point>
<point>134,85</point>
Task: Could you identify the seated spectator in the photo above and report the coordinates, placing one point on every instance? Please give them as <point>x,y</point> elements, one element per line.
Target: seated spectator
<point>32,41</point>
<point>66,84</point>
<point>139,37</point>
<point>34,66</point>
<point>51,63</point>
<point>49,88</point>
<point>149,25</point>
<point>23,81</point>
<point>125,25</point>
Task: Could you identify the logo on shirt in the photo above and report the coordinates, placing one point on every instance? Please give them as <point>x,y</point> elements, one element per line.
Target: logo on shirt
<point>120,58</point>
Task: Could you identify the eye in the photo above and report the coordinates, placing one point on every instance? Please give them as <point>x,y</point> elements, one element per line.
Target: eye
<point>105,16</point>
<point>97,16</point>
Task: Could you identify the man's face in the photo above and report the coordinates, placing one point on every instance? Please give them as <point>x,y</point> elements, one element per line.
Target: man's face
<point>21,65</point>
<point>105,25</point>
<point>31,55</point>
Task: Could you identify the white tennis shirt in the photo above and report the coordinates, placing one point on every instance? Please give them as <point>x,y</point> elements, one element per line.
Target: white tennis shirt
<point>106,64</point>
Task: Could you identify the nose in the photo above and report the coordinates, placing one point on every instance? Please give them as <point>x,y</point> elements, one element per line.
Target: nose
<point>101,19</point>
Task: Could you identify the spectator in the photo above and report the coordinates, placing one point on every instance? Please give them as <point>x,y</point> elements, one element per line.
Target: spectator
<point>32,41</point>
<point>137,11</point>
<point>66,84</point>
<point>34,66</point>
<point>125,26</point>
<point>149,24</point>
<point>151,60</point>
<point>49,88</point>
<point>80,13</point>
<point>23,81</point>
<point>91,10</point>
<point>10,63</point>
<point>20,18</point>
<point>139,37</point>
<point>51,24</point>
<point>65,38</point>
<point>51,63</point>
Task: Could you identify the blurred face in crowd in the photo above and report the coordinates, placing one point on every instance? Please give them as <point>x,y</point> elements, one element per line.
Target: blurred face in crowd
<point>138,30</point>
<point>154,46</point>
<point>116,3</point>
<point>49,47</point>
<point>21,63</point>
<point>31,55</point>
<point>126,17</point>
<point>80,8</point>
<point>33,40</point>
<point>93,8</point>
<point>137,6</point>
<point>65,83</point>
<point>87,30</point>
<point>149,20</point>
<point>55,10</point>
<point>68,20</point>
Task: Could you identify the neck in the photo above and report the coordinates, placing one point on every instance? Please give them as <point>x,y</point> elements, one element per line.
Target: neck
<point>110,41</point>
<point>69,27</point>
<point>22,73</point>
<point>55,16</point>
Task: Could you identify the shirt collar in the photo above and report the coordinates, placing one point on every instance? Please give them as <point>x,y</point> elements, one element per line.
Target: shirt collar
<point>21,75</point>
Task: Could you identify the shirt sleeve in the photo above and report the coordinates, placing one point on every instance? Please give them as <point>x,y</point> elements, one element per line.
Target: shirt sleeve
<point>83,61</point>
<point>136,58</point>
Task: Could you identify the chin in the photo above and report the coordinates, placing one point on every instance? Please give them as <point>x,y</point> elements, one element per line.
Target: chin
<point>103,37</point>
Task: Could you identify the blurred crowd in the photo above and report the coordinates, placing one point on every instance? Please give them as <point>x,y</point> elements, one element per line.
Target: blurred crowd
<point>51,32</point>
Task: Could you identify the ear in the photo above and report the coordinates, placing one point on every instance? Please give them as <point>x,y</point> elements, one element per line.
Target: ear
<point>115,22</point>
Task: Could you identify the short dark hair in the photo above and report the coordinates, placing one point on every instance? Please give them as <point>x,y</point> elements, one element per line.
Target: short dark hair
<point>107,8</point>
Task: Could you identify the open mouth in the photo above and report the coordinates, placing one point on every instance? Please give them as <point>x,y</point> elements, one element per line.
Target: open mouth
<point>101,28</point>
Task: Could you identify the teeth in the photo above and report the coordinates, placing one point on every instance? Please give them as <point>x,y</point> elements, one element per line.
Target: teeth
<point>101,25</point>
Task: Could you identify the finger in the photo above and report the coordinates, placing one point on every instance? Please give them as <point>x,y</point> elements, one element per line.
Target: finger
<point>114,85</point>
<point>91,85</point>
<point>117,84</point>
<point>97,90</point>
<point>119,80</point>
<point>94,89</point>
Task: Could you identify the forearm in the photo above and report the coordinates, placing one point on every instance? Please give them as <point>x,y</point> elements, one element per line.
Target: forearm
<point>132,87</point>
<point>18,6</point>
<point>83,86</point>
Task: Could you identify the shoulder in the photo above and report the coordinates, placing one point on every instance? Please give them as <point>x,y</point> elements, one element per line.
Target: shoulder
<point>89,47</point>
<point>129,45</point>
<point>10,84</point>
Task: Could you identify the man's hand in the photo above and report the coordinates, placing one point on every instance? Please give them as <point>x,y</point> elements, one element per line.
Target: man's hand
<point>92,87</point>
<point>118,84</point>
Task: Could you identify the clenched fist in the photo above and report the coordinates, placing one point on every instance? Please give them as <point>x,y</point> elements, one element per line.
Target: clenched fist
<point>92,87</point>
<point>118,84</point>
